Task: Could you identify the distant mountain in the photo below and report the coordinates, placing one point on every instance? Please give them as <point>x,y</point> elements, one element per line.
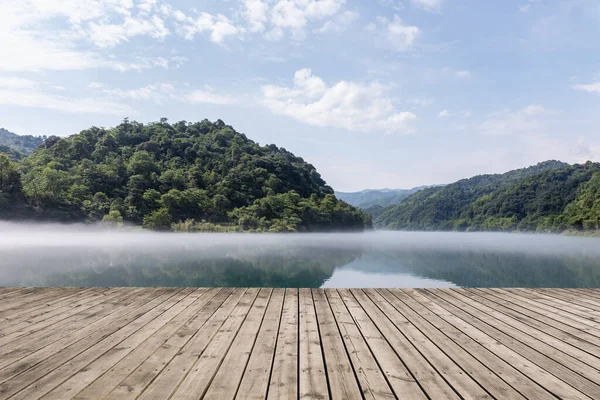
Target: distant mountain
<point>370,198</point>
<point>551,196</point>
<point>22,144</point>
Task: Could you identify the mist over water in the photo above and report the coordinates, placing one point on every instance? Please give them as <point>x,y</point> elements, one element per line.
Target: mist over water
<point>83,255</point>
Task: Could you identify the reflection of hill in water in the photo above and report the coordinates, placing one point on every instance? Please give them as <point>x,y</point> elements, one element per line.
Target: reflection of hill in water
<point>289,267</point>
<point>286,266</point>
<point>484,269</point>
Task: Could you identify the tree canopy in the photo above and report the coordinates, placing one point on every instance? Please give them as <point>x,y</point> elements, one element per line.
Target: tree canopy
<point>549,197</point>
<point>160,174</point>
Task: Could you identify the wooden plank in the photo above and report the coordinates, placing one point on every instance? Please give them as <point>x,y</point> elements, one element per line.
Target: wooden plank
<point>284,376</point>
<point>82,378</point>
<point>399,377</point>
<point>131,386</point>
<point>550,318</point>
<point>472,328</point>
<point>498,366</point>
<point>29,369</point>
<point>591,293</point>
<point>31,298</point>
<point>162,343</point>
<point>428,377</point>
<point>488,372</point>
<point>28,329</point>
<point>312,379</point>
<point>537,321</point>
<point>30,343</point>
<point>255,382</point>
<point>569,369</point>
<point>195,384</point>
<point>49,308</point>
<point>104,384</point>
<point>557,302</point>
<point>340,376</point>
<point>163,386</point>
<point>372,381</point>
<point>462,383</point>
<point>493,312</point>
<point>575,298</point>
<point>105,346</point>
<point>227,379</point>
<point>8,292</point>
<point>565,316</point>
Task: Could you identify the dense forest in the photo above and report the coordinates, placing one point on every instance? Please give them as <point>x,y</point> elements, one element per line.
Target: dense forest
<point>182,176</point>
<point>549,197</point>
<point>18,146</point>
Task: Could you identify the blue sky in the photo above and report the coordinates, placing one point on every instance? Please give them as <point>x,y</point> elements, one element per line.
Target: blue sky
<point>378,93</point>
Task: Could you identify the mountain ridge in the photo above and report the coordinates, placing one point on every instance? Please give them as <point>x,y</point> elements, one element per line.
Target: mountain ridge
<point>23,145</point>
<point>551,196</point>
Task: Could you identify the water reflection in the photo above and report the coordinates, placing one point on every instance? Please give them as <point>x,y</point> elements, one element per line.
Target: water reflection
<point>295,267</point>
<point>63,257</point>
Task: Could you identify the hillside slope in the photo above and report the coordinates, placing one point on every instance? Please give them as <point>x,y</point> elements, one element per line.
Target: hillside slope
<point>21,144</point>
<point>372,197</point>
<point>550,196</point>
<point>175,176</point>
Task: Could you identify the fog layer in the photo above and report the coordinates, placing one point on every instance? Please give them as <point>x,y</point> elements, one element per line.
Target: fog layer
<point>31,236</point>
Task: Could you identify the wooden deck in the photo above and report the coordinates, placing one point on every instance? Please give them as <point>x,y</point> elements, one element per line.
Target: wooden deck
<point>246,343</point>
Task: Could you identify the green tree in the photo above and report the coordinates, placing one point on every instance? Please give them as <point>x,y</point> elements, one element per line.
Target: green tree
<point>159,220</point>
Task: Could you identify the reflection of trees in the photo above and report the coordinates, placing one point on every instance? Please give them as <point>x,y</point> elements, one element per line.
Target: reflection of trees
<point>484,269</point>
<point>284,266</point>
<point>287,267</point>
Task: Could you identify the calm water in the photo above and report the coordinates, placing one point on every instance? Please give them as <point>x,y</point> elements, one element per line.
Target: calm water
<point>84,256</point>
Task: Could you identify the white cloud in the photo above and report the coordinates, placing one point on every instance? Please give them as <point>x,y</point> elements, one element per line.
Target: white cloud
<point>462,74</point>
<point>95,85</point>
<point>525,121</point>
<point>109,35</point>
<point>38,99</point>
<point>348,105</point>
<point>278,17</point>
<point>421,101</point>
<point>370,27</point>
<point>428,5</point>
<point>402,36</point>
<point>155,92</point>
<point>38,35</point>
<point>527,6</point>
<point>16,83</point>
<point>462,114</point>
<point>161,92</point>
<point>447,73</point>
<point>219,26</point>
<point>340,22</point>
<point>256,14</point>
<point>590,88</point>
<point>399,35</point>
<point>288,14</point>
<point>209,97</point>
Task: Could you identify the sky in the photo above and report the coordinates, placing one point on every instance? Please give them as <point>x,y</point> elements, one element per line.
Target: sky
<point>374,93</point>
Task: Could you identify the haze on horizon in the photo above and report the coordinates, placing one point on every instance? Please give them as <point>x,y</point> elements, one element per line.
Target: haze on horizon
<point>375,94</point>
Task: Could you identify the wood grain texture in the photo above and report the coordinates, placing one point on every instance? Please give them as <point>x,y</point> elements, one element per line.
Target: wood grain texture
<point>252,343</point>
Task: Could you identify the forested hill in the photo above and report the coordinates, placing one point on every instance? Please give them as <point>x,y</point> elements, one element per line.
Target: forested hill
<point>181,176</point>
<point>550,197</point>
<point>372,197</point>
<point>18,146</point>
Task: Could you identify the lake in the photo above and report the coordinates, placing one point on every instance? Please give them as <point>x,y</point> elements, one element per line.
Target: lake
<point>52,255</point>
